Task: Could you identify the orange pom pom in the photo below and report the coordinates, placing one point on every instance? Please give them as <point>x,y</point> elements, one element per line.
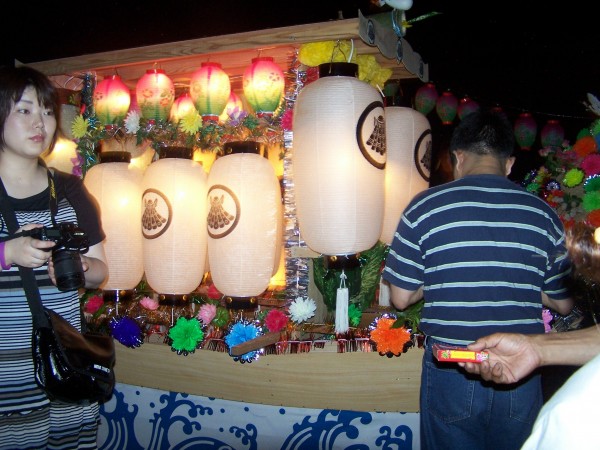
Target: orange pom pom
<point>593,218</point>
<point>388,339</point>
<point>585,145</point>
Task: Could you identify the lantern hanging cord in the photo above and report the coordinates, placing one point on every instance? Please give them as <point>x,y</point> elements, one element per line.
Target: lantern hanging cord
<point>338,47</point>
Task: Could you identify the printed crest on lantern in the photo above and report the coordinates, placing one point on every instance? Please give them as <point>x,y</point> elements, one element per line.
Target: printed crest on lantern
<point>423,154</point>
<point>370,135</point>
<point>224,211</point>
<point>157,214</point>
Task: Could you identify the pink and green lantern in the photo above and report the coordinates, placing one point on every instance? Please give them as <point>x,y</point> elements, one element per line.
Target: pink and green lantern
<point>446,107</point>
<point>525,130</point>
<point>466,106</point>
<point>210,88</point>
<point>425,98</point>
<point>264,83</point>
<point>155,95</point>
<point>111,100</point>
<point>553,134</point>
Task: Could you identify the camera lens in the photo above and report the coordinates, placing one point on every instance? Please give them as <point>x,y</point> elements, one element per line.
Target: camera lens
<point>68,270</point>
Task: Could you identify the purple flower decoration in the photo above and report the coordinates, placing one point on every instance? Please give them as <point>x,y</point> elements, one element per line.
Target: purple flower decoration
<point>126,331</point>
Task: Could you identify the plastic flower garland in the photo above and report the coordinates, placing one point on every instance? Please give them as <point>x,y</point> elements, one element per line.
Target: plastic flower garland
<point>241,332</point>
<point>186,336</point>
<point>389,340</point>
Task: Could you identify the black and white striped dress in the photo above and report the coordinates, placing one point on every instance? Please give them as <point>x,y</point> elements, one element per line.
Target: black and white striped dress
<point>27,419</point>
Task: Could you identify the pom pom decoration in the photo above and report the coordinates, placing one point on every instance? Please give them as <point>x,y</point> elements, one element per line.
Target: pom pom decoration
<point>389,341</point>
<point>207,313</point>
<point>275,320</point>
<point>127,331</point>
<point>186,336</point>
<point>302,309</point>
<point>240,332</point>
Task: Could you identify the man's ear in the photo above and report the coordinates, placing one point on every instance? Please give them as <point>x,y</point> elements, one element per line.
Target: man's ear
<point>509,164</point>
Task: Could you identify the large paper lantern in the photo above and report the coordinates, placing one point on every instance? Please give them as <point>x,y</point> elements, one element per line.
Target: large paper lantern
<point>155,95</point>
<point>117,187</point>
<point>525,130</point>
<point>553,134</point>
<point>111,100</point>
<point>243,224</point>
<point>174,224</point>
<point>425,98</point>
<point>338,160</point>
<point>210,88</point>
<point>446,107</point>
<point>408,165</point>
<point>263,83</point>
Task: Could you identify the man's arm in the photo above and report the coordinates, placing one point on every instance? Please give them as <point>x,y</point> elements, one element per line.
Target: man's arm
<point>402,299</point>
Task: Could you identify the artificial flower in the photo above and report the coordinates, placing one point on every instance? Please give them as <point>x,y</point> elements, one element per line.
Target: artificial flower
<point>302,309</point>
<point>573,177</point>
<point>275,320</point>
<point>149,303</point>
<point>93,304</point>
<point>591,164</point>
<point>591,201</point>
<point>126,331</point>
<point>593,218</point>
<point>79,127</point>
<point>132,122</point>
<point>222,317</point>
<point>315,53</point>
<point>239,333</point>
<point>207,313</point>
<point>389,340</point>
<point>190,123</point>
<point>585,145</point>
<point>287,119</point>
<point>354,315</point>
<point>213,292</point>
<point>186,335</point>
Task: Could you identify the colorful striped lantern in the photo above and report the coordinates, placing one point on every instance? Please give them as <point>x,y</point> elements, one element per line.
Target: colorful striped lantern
<point>425,98</point>
<point>466,106</point>
<point>117,187</point>
<point>174,225</point>
<point>338,160</point>
<point>553,134</point>
<point>155,95</point>
<point>111,100</point>
<point>244,224</point>
<point>446,107</point>
<point>263,83</point>
<point>210,88</point>
<point>525,130</point>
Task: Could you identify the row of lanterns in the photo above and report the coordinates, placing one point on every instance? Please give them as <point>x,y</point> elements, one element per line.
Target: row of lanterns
<point>447,107</point>
<point>209,93</point>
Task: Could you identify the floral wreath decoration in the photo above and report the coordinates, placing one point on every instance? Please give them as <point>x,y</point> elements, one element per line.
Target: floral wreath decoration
<point>390,338</point>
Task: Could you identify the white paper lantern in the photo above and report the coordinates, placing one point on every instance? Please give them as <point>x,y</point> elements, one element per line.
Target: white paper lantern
<point>174,224</point>
<point>407,170</point>
<point>117,187</point>
<point>339,157</point>
<point>243,223</point>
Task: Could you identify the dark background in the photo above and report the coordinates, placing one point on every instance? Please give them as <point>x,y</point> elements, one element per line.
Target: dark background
<point>521,56</point>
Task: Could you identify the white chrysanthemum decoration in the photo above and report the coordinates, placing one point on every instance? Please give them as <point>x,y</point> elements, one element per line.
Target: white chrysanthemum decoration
<point>302,309</point>
<point>132,122</point>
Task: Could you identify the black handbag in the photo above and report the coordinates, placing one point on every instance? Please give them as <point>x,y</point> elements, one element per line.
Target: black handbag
<point>70,366</point>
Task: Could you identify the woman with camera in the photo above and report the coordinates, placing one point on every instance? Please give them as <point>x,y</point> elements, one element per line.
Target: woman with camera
<point>56,203</point>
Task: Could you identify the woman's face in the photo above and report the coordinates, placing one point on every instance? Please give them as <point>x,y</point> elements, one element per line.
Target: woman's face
<point>29,128</point>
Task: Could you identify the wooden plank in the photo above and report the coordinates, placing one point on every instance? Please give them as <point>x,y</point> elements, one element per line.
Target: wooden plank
<point>356,381</point>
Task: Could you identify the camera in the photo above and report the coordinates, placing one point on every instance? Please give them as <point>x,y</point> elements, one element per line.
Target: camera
<point>70,241</point>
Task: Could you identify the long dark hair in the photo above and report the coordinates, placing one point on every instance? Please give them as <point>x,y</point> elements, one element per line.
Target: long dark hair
<point>13,82</point>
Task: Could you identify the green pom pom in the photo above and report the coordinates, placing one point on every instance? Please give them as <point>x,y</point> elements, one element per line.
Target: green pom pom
<point>583,133</point>
<point>591,201</point>
<point>592,184</point>
<point>573,177</point>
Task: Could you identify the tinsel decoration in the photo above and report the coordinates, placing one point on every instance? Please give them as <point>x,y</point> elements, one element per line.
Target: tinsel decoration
<point>390,341</point>
<point>185,336</point>
<point>126,330</point>
<point>240,332</point>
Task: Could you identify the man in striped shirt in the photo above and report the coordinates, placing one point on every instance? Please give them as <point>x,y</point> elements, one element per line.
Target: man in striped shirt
<point>485,255</point>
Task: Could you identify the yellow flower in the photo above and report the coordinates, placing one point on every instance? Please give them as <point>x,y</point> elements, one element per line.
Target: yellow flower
<point>190,123</point>
<point>316,53</point>
<point>79,127</point>
<point>371,72</point>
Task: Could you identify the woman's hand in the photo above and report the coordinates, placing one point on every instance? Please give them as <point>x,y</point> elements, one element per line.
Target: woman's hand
<point>27,251</point>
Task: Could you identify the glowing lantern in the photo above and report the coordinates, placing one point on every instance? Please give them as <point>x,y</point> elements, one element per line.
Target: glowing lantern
<point>182,107</point>
<point>111,100</point>
<point>210,88</point>
<point>446,107</point>
<point>155,94</point>
<point>234,105</point>
<point>553,134</point>
<point>338,159</point>
<point>174,224</point>
<point>466,106</point>
<point>244,224</point>
<point>263,84</point>
<point>525,130</point>
<point>425,98</point>
<point>117,187</point>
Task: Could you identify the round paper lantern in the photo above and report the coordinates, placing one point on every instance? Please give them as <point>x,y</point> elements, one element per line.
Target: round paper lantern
<point>174,224</point>
<point>210,88</point>
<point>117,187</point>
<point>425,98</point>
<point>243,224</point>
<point>263,83</point>
<point>466,106</point>
<point>155,94</point>
<point>446,107</point>
<point>553,134</point>
<point>407,170</point>
<point>525,130</point>
<point>338,159</point>
<point>234,105</point>
<point>182,106</point>
<point>111,100</point>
